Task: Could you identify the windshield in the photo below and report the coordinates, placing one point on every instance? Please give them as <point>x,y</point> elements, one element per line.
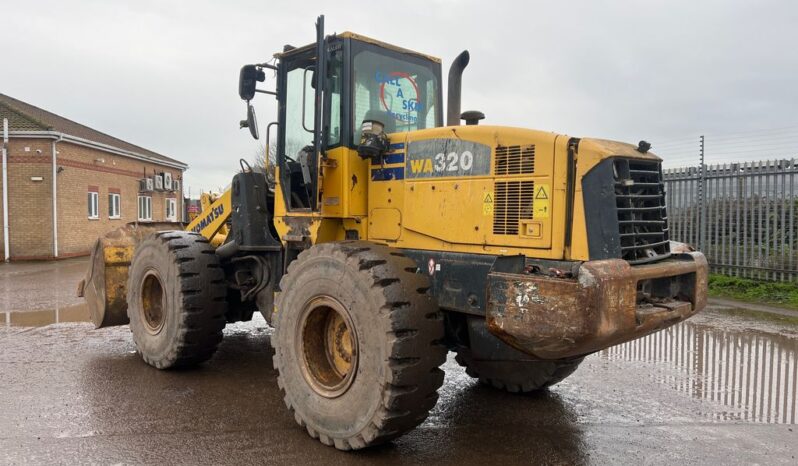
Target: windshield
<point>401,92</point>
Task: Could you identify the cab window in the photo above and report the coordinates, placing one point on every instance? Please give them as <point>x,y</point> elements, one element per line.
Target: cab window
<point>299,124</point>
<point>335,66</point>
<point>400,92</point>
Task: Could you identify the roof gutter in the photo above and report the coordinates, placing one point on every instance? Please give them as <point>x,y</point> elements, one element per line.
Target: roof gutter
<point>96,145</point>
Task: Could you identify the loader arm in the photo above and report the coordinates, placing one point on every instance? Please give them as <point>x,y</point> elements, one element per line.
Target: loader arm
<point>212,221</point>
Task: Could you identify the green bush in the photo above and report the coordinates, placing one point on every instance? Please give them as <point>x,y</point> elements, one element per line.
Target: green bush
<point>752,290</point>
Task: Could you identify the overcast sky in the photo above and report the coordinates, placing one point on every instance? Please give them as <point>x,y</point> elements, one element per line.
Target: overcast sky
<point>163,74</point>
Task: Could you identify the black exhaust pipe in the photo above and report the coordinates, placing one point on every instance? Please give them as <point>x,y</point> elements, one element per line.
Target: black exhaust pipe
<point>455,88</point>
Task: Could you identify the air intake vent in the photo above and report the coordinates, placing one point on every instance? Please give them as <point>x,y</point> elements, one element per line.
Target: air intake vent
<point>642,220</point>
<point>515,160</point>
<point>512,202</point>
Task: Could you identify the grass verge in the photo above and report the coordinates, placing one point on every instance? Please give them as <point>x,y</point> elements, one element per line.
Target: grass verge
<point>759,315</point>
<point>754,291</point>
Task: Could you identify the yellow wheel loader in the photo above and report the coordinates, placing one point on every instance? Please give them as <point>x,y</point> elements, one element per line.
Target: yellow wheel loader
<point>389,238</point>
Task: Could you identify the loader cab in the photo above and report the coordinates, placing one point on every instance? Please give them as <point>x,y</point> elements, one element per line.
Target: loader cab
<point>365,80</point>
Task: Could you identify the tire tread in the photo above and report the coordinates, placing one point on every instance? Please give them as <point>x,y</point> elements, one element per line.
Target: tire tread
<point>525,377</point>
<point>202,297</point>
<point>410,386</point>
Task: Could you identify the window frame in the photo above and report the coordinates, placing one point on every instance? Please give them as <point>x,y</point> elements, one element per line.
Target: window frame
<point>170,201</point>
<point>357,47</point>
<point>114,206</point>
<point>148,208</point>
<point>93,201</point>
<point>301,59</point>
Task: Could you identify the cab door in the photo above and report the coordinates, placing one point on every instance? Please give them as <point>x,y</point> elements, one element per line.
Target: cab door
<point>296,158</point>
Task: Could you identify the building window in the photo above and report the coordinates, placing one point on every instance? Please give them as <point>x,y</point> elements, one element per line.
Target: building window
<point>171,210</point>
<point>114,205</point>
<point>145,208</point>
<point>94,200</point>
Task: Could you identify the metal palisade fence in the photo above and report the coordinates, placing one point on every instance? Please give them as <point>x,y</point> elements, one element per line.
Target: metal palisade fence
<point>741,215</point>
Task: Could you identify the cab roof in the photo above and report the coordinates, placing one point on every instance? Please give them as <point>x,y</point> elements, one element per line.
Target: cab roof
<point>361,38</point>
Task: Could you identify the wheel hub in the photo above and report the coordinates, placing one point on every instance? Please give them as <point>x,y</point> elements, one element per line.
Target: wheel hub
<point>152,302</point>
<point>329,347</point>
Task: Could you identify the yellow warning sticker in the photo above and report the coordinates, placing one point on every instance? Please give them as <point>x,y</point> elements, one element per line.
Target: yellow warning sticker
<point>487,204</point>
<point>541,204</point>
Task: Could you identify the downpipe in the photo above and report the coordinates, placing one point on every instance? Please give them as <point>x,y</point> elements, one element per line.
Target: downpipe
<point>57,137</point>
<point>55,196</point>
<point>6,252</point>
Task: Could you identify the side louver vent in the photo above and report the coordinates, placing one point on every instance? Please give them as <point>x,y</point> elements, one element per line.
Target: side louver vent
<point>515,160</point>
<point>512,202</point>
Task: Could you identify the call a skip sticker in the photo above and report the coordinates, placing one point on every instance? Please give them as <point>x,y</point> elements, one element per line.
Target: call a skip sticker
<point>487,204</point>
<point>541,204</point>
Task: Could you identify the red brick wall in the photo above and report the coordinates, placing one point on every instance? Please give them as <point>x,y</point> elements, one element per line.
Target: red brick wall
<point>30,203</point>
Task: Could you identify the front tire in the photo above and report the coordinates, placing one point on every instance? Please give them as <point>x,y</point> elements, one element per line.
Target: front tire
<point>358,342</point>
<point>516,376</point>
<point>176,299</point>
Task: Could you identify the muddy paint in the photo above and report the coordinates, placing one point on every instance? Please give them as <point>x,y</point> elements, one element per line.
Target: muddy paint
<point>105,284</point>
<point>551,318</point>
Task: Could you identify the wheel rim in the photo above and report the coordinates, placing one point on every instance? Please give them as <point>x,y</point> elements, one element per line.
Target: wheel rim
<point>328,344</point>
<point>152,302</point>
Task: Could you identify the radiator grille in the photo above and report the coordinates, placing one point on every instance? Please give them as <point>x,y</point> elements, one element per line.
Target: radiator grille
<point>642,219</point>
<point>512,202</point>
<point>515,160</point>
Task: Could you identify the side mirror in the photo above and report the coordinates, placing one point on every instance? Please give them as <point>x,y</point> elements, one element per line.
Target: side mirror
<point>248,78</point>
<point>251,122</point>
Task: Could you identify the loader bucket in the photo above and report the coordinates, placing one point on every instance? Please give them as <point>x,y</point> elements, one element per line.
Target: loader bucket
<point>105,285</point>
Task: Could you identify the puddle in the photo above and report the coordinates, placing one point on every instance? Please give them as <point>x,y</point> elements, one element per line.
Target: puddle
<point>42,317</point>
<point>741,374</point>
<point>40,286</point>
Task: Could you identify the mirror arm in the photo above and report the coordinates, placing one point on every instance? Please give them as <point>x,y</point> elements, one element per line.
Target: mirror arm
<point>266,92</point>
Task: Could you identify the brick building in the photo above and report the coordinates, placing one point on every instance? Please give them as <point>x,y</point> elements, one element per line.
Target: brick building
<point>68,184</point>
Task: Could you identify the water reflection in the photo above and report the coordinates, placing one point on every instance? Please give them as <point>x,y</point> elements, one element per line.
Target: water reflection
<point>42,317</point>
<point>751,374</point>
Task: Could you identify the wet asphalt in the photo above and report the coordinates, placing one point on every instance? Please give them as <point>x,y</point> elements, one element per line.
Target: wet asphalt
<point>718,388</point>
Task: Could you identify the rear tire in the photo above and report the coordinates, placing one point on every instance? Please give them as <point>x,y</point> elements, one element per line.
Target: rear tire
<point>516,376</point>
<point>176,299</point>
<point>358,342</point>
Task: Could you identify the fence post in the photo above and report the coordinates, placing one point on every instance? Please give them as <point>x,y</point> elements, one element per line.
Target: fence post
<point>702,223</point>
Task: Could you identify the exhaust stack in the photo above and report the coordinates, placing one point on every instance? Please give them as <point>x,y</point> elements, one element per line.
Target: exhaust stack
<point>455,88</point>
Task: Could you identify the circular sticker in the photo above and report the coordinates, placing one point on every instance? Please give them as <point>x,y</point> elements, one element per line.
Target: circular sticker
<point>399,96</point>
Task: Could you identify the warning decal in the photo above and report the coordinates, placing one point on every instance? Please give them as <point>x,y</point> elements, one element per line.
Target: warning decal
<point>541,204</point>
<point>487,204</point>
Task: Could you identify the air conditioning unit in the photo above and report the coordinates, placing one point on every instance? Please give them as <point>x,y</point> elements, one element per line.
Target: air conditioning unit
<point>176,186</point>
<point>159,182</point>
<point>167,181</point>
<point>145,184</point>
